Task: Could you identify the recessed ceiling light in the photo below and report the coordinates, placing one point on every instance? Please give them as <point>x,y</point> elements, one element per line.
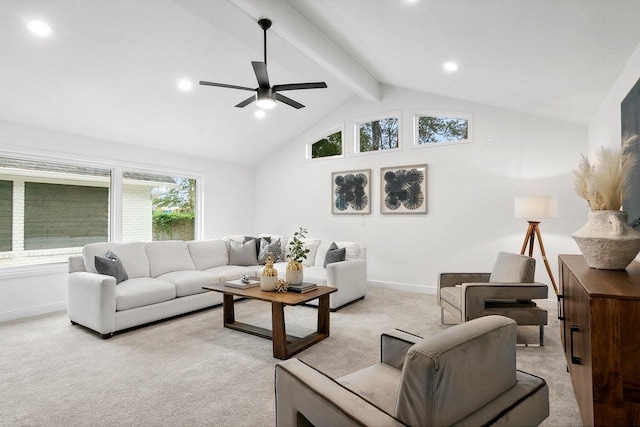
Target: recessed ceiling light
<point>450,66</point>
<point>259,114</point>
<point>39,28</point>
<point>185,84</point>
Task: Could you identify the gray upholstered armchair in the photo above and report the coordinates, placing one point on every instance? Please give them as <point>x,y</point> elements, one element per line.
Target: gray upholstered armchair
<point>463,376</point>
<point>507,291</point>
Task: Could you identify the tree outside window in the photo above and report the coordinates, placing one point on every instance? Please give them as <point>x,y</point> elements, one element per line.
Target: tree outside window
<point>440,129</point>
<point>327,147</point>
<point>378,135</point>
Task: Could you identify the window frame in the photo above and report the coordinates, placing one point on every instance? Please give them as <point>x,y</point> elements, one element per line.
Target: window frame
<point>441,113</point>
<point>328,132</point>
<point>116,168</point>
<point>395,114</point>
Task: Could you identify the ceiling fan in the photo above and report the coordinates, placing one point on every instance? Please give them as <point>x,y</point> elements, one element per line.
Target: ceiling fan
<point>266,95</point>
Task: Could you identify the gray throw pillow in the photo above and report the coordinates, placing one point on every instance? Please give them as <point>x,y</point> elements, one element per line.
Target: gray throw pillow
<point>256,241</point>
<point>266,248</point>
<point>242,253</point>
<point>111,265</point>
<point>334,254</point>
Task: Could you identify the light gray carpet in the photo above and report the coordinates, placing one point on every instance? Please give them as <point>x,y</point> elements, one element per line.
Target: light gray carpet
<point>191,371</point>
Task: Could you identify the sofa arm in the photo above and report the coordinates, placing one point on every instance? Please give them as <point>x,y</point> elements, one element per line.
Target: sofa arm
<point>394,345</point>
<point>348,276</point>
<point>92,301</point>
<point>303,395</point>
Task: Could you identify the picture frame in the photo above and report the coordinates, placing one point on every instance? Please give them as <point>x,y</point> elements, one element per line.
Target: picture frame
<point>351,192</point>
<point>403,189</point>
<point>630,125</point>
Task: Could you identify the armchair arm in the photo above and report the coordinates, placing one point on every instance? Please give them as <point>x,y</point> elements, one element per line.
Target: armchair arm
<point>446,280</point>
<point>305,394</point>
<point>92,301</point>
<point>474,295</point>
<point>394,345</point>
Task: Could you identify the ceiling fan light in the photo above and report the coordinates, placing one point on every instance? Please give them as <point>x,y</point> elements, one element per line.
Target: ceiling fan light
<point>265,103</point>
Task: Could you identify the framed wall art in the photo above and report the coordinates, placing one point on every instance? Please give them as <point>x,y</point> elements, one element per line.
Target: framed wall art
<point>351,192</point>
<point>630,125</point>
<point>403,190</point>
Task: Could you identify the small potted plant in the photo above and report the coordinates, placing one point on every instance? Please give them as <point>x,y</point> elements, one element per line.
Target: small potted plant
<point>297,253</point>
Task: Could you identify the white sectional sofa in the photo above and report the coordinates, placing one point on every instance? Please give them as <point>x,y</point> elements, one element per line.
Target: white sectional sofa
<point>165,279</point>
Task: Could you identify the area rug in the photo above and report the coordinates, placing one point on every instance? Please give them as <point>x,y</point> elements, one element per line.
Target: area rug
<point>190,371</point>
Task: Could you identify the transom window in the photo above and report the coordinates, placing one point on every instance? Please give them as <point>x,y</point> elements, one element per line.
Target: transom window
<point>437,129</point>
<point>378,135</point>
<point>329,146</point>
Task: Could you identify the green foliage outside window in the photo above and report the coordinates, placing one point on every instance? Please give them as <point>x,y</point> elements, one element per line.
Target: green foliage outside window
<point>379,135</point>
<point>329,146</point>
<point>434,129</point>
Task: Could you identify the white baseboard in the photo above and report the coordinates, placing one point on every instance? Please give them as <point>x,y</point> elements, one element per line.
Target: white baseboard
<point>32,311</point>
<point>406,287</point>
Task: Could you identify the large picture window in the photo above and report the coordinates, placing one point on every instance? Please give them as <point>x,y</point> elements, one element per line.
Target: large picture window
<point>157,207</point>
<point>50,210</point>
<point>433,129</point>
<point>378,135</point>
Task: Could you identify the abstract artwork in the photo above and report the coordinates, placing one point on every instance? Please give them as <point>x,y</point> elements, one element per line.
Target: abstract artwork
<point>350,192</point>
<point>630,125</point>
<point>403,189</point>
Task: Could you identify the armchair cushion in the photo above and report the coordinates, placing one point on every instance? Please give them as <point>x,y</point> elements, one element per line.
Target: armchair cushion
<point>513,268</point>
<point>378,384</point>
<point>450,375</point>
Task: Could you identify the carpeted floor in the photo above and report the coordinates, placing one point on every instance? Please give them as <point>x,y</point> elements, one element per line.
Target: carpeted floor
<point>190,371</point>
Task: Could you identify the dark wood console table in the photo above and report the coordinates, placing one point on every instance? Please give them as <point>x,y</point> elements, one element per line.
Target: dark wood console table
<point>599,312</point>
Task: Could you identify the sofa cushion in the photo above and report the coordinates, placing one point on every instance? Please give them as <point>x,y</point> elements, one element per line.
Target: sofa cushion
<point>167,256</point>
<point>352,250</point>
<point>316,274</point>
<point>208,253</point>
<point>190,282</point>
<point>233,272</point>
<point>242,253</point>
<point>267,247</point>
<point>133,256</point>
<point>111,265</point>
<point>143,291</point>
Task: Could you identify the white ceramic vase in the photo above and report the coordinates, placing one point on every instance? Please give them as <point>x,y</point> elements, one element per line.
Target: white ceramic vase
<point>268,283</point>
<point>294,273</point>
<point>607,241</point>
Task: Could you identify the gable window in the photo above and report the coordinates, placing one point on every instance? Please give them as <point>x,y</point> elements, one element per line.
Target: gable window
<point>437,129</point>
<point>378,135</point>
<point>329,146</point>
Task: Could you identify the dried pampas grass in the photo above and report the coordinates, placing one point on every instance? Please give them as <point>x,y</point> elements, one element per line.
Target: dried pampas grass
<point>602,184</point>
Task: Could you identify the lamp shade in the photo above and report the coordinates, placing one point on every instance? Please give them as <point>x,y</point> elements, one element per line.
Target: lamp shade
<point>533,207</point>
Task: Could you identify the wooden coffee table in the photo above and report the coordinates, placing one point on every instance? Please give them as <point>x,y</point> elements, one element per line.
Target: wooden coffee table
<point>284,346</point>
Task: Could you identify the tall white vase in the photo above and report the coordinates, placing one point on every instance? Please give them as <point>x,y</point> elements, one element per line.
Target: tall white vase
<point>607,241</point>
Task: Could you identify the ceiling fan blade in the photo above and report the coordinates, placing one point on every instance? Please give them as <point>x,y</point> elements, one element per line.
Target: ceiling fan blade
<point>260,69</point>
<point>288,101</point>
<point>296,86</point>
<point>246,102</point>
<point>202,82</point>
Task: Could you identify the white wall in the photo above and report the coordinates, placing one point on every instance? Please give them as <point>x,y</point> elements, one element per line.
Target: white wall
<point>471,190</point>
<point>605,127</point>
<point>228,203</point>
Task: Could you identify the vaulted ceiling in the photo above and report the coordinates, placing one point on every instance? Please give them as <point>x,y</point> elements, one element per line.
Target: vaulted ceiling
<point>110,68</point>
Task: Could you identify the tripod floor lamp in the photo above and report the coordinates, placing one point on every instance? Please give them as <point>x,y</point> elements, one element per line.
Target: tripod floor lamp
<point>533,208</point>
